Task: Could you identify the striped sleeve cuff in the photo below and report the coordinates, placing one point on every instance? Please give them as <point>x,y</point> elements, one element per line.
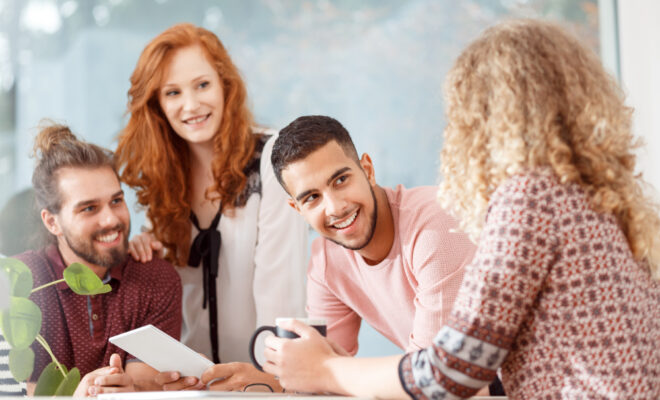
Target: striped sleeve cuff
<point>455,367</point>
<point>405,374</point>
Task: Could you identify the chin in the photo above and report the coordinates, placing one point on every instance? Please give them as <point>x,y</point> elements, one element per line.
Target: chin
<point>201,139</point>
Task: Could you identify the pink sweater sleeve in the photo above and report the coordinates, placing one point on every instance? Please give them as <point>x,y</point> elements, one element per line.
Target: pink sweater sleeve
<point>438,259</point>
<point>342,322</point>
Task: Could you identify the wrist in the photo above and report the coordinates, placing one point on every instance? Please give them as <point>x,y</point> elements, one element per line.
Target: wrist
<point>328,375</point>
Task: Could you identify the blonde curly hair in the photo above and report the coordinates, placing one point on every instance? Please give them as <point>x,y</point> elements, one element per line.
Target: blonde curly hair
<point>527,95</point>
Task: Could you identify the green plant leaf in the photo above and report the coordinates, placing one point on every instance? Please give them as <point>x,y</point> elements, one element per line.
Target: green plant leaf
<point>21,363</point>
<point>21,322</point>
<point>19,276</point>
<point>83,281</point>
<point>49,380</point>
<point>69,384</point>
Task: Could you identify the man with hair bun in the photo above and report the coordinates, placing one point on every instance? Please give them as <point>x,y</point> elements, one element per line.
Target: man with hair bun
<point>82,206</point>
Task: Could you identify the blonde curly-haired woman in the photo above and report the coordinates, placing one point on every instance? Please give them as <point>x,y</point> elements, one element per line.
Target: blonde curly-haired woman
<point>563,292</point>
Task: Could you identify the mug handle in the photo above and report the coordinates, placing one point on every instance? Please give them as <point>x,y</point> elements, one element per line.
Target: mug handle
<point>253,339</point>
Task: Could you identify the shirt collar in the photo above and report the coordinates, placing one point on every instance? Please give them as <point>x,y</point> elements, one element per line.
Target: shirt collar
<point>55,259</point>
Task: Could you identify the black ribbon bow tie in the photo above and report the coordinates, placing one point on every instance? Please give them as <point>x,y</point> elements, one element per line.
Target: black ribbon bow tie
<point>206,249</point>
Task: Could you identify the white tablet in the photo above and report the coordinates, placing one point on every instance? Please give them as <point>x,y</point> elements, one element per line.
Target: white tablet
<point>161,351</point>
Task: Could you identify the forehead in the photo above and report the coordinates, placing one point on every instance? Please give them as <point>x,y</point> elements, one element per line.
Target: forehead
<point>84,184</point>
<point>314,171</point>
<point>187,63</point>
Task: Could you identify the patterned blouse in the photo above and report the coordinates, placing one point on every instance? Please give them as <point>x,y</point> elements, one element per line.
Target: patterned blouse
<point>554,298</point>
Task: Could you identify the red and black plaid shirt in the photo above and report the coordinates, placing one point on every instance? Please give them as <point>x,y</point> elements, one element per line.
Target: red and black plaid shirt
<point>77,328</point>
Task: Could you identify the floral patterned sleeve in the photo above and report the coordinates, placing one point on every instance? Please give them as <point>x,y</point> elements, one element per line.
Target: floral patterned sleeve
<point>517,247</point>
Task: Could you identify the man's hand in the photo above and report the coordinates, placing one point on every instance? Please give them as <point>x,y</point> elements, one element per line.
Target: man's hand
<point>110,379</point>
<point>235,376</point>
<point>300,363</point>
<point>171,381</point>
<point>142,246</point>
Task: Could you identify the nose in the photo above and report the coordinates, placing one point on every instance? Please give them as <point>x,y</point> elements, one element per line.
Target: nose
<point>190,101</point>
<point>109,218</point>
<point>335,206</point>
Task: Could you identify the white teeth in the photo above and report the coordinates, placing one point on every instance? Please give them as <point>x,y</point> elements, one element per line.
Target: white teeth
<point>108,238</point>
<point>347,222</point>
<point>196,120</point>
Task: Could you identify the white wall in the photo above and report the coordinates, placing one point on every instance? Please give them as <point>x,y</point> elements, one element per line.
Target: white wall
<point>639,41</point>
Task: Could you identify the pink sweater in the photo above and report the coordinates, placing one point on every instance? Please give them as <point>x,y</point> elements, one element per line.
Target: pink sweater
<point>408,296</point>
<point>555,298</point>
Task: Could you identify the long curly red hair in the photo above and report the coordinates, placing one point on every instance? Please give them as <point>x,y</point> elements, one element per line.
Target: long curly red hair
<point>155,161</point>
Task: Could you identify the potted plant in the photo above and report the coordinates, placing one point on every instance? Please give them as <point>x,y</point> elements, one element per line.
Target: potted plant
<point>21,323</point>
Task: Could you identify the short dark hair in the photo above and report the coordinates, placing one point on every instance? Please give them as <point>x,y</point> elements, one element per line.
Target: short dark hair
<point>56,147</point>
<point>304,136</point>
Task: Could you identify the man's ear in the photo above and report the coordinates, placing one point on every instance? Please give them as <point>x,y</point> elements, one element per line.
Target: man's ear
<point>293,204</point>
<point>368,168</point>
<point>290,200</point>
<point>50,221</point>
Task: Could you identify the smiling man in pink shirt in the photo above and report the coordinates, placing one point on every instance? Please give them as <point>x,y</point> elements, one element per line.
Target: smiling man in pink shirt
<point>388,256</point>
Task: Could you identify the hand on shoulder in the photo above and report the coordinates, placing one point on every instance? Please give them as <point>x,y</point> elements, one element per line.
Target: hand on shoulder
<point>143,246</point>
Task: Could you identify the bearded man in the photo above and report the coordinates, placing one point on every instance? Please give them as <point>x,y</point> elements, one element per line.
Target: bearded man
<point>82,205</point>
<point>386,256</point>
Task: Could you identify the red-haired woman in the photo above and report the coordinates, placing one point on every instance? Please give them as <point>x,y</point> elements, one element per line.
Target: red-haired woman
<point>213,203</point>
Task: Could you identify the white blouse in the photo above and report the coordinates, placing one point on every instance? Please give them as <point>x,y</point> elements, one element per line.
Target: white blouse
<point>261,274</point>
